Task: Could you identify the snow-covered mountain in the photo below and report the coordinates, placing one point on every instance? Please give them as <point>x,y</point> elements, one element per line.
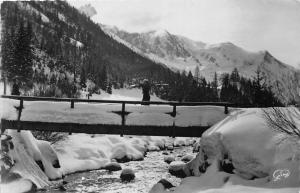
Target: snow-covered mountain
<point>181,53</point>
<point>160,46</point>
<point>88,10</point>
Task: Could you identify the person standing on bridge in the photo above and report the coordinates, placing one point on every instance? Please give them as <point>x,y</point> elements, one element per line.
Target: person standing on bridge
<point>15,88</point>
<point>146,92</point>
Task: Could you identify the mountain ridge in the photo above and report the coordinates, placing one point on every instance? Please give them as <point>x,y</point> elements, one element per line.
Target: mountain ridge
<point>182,53</point>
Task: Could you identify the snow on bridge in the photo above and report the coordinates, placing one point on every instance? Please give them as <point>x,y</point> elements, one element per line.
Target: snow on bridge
<point>110,116</point>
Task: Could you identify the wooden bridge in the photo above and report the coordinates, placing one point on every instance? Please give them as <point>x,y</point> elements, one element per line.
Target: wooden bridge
<point>120,128</point>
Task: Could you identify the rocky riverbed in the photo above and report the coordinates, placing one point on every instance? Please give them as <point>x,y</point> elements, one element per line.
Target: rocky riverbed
<point>147,173</point>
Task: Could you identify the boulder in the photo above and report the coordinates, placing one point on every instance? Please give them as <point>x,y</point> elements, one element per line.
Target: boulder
<point>177,168</point>
<point>170,147</point>
<point>113,166</point>
<point>169,159</point>
<point>187,158</point>
<point>127,175</point>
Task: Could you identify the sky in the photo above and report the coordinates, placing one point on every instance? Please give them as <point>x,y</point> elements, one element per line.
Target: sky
<point>254,25</point>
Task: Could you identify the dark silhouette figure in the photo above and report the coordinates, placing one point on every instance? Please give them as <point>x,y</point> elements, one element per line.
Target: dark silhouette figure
<point>146,92</point>
<point>15,88</point>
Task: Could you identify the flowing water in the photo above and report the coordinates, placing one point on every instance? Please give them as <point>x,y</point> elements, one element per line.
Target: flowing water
<point>147,173</point>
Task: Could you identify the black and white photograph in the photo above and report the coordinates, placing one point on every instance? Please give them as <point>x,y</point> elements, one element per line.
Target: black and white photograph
<point>150,96</point>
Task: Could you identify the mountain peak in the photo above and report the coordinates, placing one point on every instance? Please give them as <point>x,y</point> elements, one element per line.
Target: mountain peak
<point>221,45</point>
<point>159,32</point>
<point>88,10</point>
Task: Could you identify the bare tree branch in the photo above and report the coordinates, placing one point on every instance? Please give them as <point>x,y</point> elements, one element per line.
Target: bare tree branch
<point>283,120</point>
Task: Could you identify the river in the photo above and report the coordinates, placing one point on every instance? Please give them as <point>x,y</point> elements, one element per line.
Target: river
<point>147,173</point>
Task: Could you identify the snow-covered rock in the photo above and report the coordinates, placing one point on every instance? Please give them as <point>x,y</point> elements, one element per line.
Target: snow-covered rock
<point>162,185</point>
<point>169,159</point>
<point>177,168</point>
<point>245,140</point>
<point>34,161</point>
<point>187,158</point>
<point>242,154</point>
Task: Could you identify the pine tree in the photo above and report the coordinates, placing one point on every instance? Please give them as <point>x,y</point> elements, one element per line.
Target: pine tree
<point>103,78</point>
<point>109,88</point>
<point>214,85</point>
<point>197,74</point>
<point>234,76</point>
<point>82,78</point>
<point>258,87</point>
<point>24,55</point>
<point>8,54</point>
<point>224,95</point>
<point>53,80</point>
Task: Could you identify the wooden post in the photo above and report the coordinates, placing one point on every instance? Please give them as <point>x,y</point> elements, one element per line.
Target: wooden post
<point>173,115</point>
<point>4,92</point>
<point>226,109</point>
<point>123,118</point>
<point>173,130</point>
<point>174,111</point>
<point>21,104</point>
<point>19,114</point>
<point>1,127</point>
<point>72,104</point>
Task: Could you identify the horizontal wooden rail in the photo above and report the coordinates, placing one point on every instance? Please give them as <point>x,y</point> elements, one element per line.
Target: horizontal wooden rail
<point>31,98</point>
<point>191,131</point>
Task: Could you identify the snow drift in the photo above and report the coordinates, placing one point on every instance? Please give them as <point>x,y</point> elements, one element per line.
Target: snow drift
<point>33,160</point>
<point>242,154</point>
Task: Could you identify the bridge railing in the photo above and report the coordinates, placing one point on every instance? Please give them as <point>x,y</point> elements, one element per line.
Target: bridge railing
<point>76,100</point>
<point>19,125</point>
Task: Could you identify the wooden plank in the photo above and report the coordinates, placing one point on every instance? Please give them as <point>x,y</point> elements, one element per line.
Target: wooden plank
<point>193,131</point>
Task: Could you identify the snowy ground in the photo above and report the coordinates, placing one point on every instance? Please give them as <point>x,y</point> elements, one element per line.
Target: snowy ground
<point>124,94</point>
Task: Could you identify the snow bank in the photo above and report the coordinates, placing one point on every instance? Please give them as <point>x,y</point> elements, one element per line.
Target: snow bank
<point>35,161</point>
<point>242,154</point>
<point>80,152</point>
<point>17,186</point>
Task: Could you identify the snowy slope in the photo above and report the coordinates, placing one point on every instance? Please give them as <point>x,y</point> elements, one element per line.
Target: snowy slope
<point>159,46</point>
<point>181,53</point>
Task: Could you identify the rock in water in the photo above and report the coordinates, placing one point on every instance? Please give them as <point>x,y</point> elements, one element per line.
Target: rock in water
<point>187,158</point>
<point>170,147</point>
<point>113,166</point>
<point>161,186</point>
<point>177,169</point>
<point>166,183</point>
<point>127,175</point>
<point>169,159</point>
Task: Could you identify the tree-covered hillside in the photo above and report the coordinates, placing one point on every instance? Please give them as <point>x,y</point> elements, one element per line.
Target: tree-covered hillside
<point>73,42</point>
